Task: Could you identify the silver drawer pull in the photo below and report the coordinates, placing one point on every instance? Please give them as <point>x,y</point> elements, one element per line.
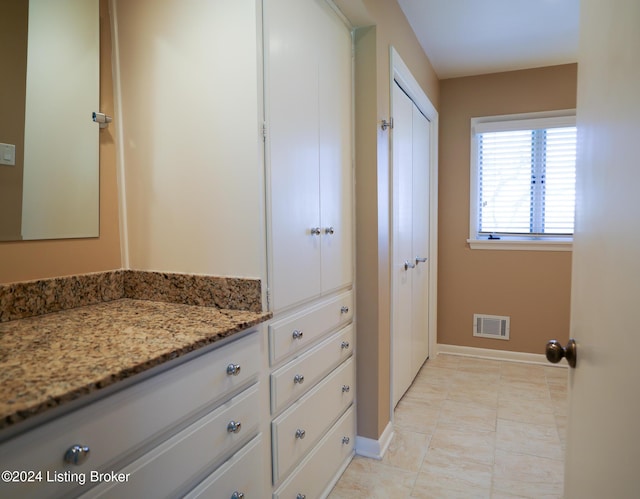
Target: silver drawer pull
<point>297,334</point>
<point>77,454</point>
<point>346,440</point>
<point>344,310</point>
<point>233,369</point>
<point>329,230</point>
<point>345,388</point>
<point>344,345</point>
<point>298,378</point>
<point>237,495</point>
<point>234,426</point>
<point>300,434</point>
<point>315,231</point>
<point>301,496</point>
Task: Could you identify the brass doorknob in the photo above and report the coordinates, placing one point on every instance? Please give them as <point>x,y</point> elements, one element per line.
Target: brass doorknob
<point>555,351</point>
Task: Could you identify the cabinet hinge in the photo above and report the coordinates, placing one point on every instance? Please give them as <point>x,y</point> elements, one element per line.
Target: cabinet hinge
<point>264,130</point>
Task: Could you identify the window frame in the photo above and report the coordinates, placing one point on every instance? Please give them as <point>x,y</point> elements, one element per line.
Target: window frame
<point>509,122</point>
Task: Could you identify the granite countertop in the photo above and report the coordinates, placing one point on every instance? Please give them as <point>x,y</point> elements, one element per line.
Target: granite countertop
<point>55,358</point>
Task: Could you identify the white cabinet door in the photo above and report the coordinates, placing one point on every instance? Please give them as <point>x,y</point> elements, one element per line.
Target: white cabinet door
<point>308,104</point>
<point>293,113</point>
<point>335,155</point>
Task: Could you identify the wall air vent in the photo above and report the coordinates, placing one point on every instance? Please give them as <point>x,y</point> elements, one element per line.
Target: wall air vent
<point>491,326</point>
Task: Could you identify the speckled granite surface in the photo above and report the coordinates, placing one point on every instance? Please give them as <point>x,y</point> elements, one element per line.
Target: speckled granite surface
<point>51,359</point>
<point>26,299</point>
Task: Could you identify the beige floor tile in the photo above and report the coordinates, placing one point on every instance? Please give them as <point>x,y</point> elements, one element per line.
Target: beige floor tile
<point>444,360</point>
<point>526,372</point>
<point>526,469</point>
<point>407,450</point>
<point>434,394</point>
<point>479,428</point>
<point>437,486</point>
<point>415,415</point>
<point>526,438</point>
<point>524,389</point>
<point>532,411</point>
<point>482,394</point>
<point>466,415</point>
<point>517,489</point>
<point>371,479</point>
<point>469,445</point>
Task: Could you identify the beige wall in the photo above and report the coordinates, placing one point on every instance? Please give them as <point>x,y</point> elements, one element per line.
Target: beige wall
<point>13,51</point>
<point>41,259</point>
<point>532,287</point>
<point>386,26</point>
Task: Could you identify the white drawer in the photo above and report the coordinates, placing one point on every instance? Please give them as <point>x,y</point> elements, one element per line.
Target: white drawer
<point>128,420</point>
<point>241,474</point>
<point>289,335</point>
<point>296,377</point>
<point>297,429</point>
<point>311,478</point>
<point>173,467</point>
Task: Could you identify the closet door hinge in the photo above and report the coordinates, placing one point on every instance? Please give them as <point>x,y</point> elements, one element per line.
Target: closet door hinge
<point>264,130</point>
<point>386,124</point>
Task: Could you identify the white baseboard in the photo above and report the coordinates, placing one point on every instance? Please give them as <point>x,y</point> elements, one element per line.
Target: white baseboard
<point>487,353</point>
<point>368,447</point>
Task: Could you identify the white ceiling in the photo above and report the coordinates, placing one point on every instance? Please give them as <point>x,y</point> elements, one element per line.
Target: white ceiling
<point>467,37</point>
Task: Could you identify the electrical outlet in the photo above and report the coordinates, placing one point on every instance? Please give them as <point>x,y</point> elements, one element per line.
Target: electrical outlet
<point>7,154</point>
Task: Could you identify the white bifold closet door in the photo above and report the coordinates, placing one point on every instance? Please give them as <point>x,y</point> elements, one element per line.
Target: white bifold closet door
<point>410,303</point>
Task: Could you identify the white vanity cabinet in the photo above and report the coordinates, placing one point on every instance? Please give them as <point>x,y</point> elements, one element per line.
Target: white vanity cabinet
<point>162,436</point>
<point>312,396</point>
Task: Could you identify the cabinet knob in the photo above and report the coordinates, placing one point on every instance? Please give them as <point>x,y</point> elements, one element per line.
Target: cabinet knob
<point>345,388</point>
<point>234,426</point>
<point>315,231</point>
<point>301,496</point>
<point>329,230</point>
<point>233,369</point>
<point>298,378</point>
<point>237,495</point>
<point>297,334</point>
<point>346,440</point>
<point>344,310</point>
<point>76,454</point>
<point>300,434</point>
<point>344,345</point>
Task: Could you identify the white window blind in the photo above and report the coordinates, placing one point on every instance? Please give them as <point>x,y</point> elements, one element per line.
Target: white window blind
<point>525,178</point>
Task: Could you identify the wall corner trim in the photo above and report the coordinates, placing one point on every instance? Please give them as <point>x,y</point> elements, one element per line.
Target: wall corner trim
<point>375,449</point>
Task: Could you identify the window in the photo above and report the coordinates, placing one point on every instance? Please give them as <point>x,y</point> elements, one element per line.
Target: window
<point>523,181</point>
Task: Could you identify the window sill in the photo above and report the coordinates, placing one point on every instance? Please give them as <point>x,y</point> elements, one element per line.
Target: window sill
<point>521,244</point>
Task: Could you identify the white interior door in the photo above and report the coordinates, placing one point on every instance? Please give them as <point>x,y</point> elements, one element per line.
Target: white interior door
<point>402,241</point>
<point>603,442</point>
<point>420,243</point>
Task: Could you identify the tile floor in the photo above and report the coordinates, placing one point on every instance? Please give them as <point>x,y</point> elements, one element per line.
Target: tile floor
<point>471,428</point>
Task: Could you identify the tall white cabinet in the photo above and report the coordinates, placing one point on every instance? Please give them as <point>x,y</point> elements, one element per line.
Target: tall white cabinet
<point>308,104</point>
